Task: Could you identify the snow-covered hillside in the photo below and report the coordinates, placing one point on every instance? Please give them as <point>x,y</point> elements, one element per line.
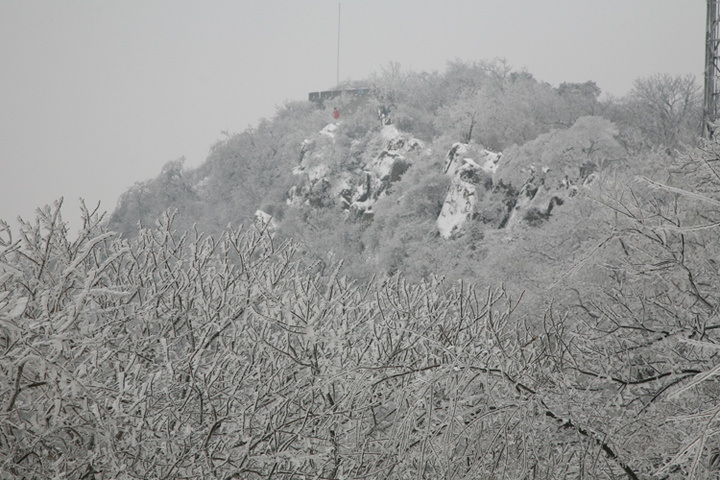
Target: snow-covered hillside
<point>490,189</point>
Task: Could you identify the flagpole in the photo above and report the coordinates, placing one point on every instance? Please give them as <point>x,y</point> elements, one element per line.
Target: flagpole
<point>338,49</point>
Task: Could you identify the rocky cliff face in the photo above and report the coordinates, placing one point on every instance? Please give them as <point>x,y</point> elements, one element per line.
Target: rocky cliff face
<point>481,190</point>
<point>471,169</point>
<point>494,190</point>
<point>324,182</point>
<point>526,185</point>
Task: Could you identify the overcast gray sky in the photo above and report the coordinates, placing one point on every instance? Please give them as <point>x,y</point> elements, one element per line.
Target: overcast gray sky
<point>96,95</point>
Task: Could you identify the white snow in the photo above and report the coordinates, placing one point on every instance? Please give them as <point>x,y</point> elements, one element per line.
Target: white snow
<point>329,130</point>
<point>460,200</point>
<point>363,206</point>
<point>389,132</point>
<point>491,161</point>
<point>459,203</point>
<point>471,162</point>
<point>382,167</point>
<point>451,163</point>
<point>486,160</point>
<point>264,220</point>
<point>317,172</point>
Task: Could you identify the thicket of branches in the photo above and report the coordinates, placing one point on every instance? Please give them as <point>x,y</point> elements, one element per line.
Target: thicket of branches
<point>179,356</point>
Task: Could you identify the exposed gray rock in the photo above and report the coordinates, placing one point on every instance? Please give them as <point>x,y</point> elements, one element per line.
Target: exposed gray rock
<point>523,186</point>
<point>471,169</point>
<point>322,182</point>
<point>264,221</point>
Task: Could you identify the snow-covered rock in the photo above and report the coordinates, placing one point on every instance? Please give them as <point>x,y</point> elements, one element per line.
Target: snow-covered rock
<point>389,133</point>
<point>523,186</point>
<point>322,182</point>
<point>538,196</point>
<point>552,169</point>
<point>460,201</point>
<point>264,221</point>
<point>329,130</point>
<point>471,169</point>
<point>462,153</point>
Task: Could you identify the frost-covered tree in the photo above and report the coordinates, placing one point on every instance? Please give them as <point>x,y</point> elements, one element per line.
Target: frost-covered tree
<point>174,355</point>
<point>648,335</point>
<point>660,111</point>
